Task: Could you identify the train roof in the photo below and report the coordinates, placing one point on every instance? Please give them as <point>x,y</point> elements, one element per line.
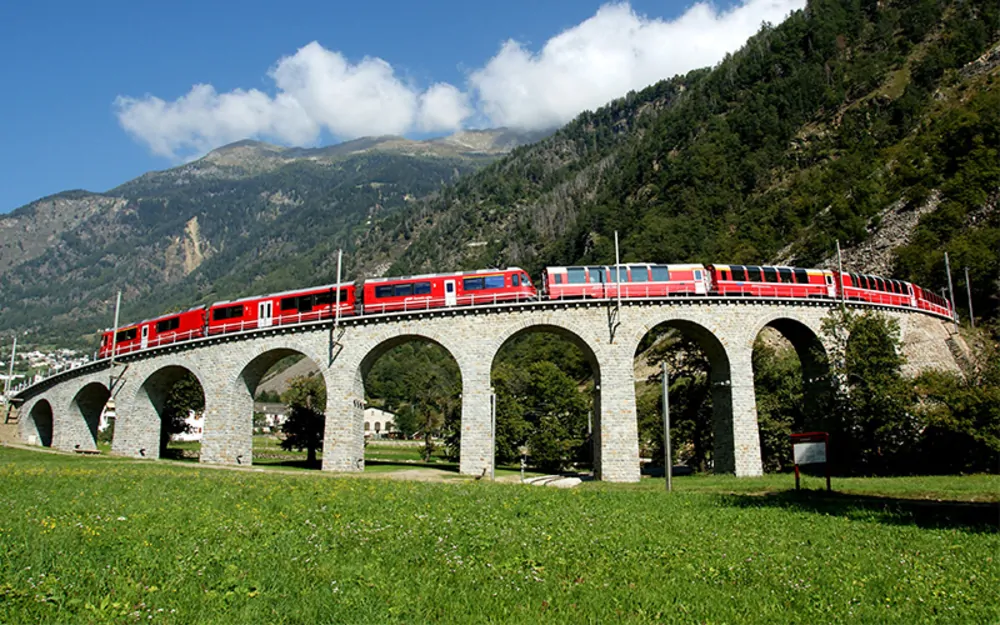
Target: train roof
<point>673,266</point>
<point>442,275</point>
<point>343,285</point>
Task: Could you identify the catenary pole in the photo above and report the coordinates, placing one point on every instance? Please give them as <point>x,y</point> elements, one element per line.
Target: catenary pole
<point>668,464</point>
<point>618,273</point>
<point>10,370</point>
<point>968,291</point>
<point>114,332</point>
<point>840,273</point>
<point>951,291</point>
<point>336,315</point>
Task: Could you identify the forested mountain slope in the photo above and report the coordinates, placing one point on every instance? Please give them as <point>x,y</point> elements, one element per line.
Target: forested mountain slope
<point>248,218</point>
<point>818,129</point>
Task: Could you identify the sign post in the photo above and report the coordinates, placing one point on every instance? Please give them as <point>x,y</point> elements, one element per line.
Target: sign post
<point>811,448</point>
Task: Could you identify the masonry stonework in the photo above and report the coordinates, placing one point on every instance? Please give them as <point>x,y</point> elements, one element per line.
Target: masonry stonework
<point>62,412</point>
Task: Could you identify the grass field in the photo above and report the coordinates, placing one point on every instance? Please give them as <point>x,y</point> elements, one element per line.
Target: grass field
<point>104,539</point>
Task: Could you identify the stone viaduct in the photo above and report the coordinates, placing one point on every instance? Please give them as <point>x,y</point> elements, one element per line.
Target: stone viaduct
<point>63,411</point>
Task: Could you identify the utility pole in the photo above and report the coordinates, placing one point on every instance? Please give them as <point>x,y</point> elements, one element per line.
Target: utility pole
<point>951,291</point>
<point>840,273</point>
<point>10,370</point>
<point>493,433</point>
<point>618,274</point>
<point>968,290</point>
<point>114,332</point>
<point>668,464</point>
<point>336,315</point>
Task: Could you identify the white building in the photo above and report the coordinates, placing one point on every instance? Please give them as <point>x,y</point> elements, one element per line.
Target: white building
<point>378,423</point>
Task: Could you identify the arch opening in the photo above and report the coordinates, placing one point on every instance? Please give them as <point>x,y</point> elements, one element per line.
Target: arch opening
<point>170,405</point>
<point>792,386</point>
<point>413,404</point>
<point>282,394</point>
<point>546,381</point>
<point>700,398</point>
<point>90,406</point>
<point>40,431</point>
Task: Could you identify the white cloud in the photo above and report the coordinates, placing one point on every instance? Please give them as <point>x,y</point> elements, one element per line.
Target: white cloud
<point>609,54</point>
<point>317,89</point>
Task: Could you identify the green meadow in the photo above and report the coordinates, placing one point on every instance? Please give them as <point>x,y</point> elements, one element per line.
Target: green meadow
<point>109,540</point>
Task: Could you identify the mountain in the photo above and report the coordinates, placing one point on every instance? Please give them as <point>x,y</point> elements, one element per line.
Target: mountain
<point>875,123</point>
<point>248,217</point>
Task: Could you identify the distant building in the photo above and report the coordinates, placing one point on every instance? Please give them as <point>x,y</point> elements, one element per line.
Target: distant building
<point>275,414</point>
<point>379,423</point>
<point>195,422</point>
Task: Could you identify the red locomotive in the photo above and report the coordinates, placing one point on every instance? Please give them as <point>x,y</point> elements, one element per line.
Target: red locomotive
<point>471,288</point>
<point>170,328</point>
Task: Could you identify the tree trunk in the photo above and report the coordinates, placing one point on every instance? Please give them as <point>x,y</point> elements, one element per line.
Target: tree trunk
<point>311,457</point>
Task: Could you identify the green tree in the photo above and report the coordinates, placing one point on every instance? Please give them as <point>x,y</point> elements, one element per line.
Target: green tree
<point>184,398</point>
<point>306,399</point>
<point>872,423</point>
<point>778,388</point>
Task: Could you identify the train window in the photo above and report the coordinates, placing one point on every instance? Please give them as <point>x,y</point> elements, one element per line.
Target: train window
<point>526,279</point>
<point>801,276</point>
<point>494,282</point>
<point>289,303</point>
<point>753,274</point>
<point>786,275</point>
<point>613,273</point>
<point>898,286</point>
<point>640,274</point>
<point>697,274</point>
<point>384,290</point>
<point>739,273</point>
<point>596,274</point>
<point>227,312</point>
<point>577,275</point>
<point>880,284</point>
<point>659,273</point>
<point>770,274</point>
<point>422,288</point>
<point>402,290</point>
<point>126,335</point>
<point>515,279</point>
<point>168,324</point>
<point>472,284</point>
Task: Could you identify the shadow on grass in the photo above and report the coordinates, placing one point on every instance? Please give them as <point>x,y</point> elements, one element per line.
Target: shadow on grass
<point>402,464</point>
<point>289,464</point>
<point>929,514</point>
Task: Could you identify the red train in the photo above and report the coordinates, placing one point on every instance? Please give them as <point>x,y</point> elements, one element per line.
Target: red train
<point>493,286</point>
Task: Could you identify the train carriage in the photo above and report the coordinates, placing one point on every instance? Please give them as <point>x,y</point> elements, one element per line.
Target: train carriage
<point>772,281</point>
<point>932,302</point>
<point>162,330</point>
<point>298,306</point>
<point>485,286</point>
<point>875,289</point>
<point>629,280</point>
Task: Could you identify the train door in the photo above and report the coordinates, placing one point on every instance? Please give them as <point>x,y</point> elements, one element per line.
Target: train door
<point>449,293</point>
<point>831,288</point>
<point>700,282</point>
<point>265,311</point>
<point>144,334</point>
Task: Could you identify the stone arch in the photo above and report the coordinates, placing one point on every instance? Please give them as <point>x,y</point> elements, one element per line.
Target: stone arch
<point>807,340</point>
<point>85,414</point>
<point>239,421</point>
<point>575,336</point>
<point>383,344</point>
<point>138,433</point>
<point>720,380</point>
<point>39,424</point>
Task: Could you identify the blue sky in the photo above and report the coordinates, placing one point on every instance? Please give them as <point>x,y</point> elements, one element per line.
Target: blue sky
<point>97,93</point>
